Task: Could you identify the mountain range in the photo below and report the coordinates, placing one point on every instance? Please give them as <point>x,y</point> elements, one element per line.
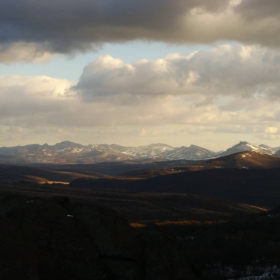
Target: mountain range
<point>72,153</point>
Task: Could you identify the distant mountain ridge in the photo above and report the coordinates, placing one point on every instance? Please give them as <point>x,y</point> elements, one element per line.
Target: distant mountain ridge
<point>68,152</point>
<point>191,153</point>
<point>244,146</point>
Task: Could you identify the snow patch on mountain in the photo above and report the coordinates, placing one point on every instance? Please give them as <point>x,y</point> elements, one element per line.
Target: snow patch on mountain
<point>191,153</point>
<point>70,152</point>
<point>244,146</point>
<point>150,151</point>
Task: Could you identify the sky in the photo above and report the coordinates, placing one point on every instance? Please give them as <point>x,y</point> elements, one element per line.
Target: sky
<point>129,72</point>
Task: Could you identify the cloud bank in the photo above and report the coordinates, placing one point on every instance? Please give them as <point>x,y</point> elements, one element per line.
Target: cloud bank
<point>239,71</point>
<point>78,26</point>
<point>226,90</point>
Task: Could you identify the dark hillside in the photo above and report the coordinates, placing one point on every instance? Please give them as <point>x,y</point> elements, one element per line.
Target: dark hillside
<point>117,168</point>
<point>12,173</point>
<point>241,160</point>
<point>245,160</point>
<point>143,207</point>
<point>250,186</point>
<point>257,187</point>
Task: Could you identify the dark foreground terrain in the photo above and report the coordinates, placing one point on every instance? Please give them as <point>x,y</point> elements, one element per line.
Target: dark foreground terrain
<point>57,232</point>
<point>58,238</point>
<point>215,220</point>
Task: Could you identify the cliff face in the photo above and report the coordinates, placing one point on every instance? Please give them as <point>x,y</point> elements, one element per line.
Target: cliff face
<point>59,239</point>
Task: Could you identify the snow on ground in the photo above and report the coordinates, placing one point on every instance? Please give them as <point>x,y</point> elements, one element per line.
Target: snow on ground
<point>253,147</point>
<point>274,274</point>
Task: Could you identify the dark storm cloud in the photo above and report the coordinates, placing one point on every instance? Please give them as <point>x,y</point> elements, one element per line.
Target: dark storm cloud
<point>64,26</point>
<point>257,9</point>
<point>67,26</point>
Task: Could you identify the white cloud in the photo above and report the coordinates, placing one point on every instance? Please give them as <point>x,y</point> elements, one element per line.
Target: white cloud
<point>143,132</point>
<point>227,90</point>
<point>224,70</point>
<point>24,97</point>
<point>271,130</point>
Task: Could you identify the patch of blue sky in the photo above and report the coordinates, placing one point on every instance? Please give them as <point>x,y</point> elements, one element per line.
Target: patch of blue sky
<point>65,67</point>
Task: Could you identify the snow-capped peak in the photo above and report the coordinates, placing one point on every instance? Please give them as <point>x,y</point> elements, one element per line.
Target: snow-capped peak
<point>244,146</point>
